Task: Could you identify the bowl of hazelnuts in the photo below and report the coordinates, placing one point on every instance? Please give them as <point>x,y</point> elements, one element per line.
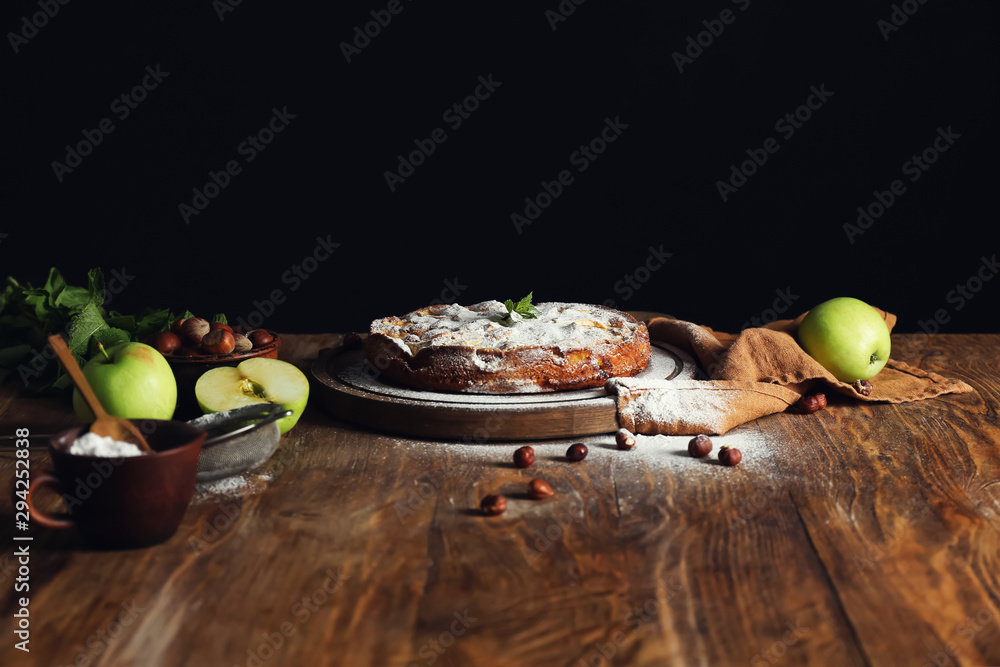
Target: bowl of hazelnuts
<point>193,345</point>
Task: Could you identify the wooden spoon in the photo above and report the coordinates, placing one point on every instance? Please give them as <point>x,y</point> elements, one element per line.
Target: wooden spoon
<point>104,424</point>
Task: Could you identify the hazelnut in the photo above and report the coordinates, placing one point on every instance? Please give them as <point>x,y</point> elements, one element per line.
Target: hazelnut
<point>538,489</point>
<point>176,326</point>
<point>730,456</point>
<point>193,330</point>
<point>700,446</point>
<point>624,439</point>
<point>493,505</point>
<point>524,457</point>
<point>577,452</point>
<point>810,403</point>
<point>241,343</point>
<point>218,341</point>
<point>260,337</point>
<point>165,342</point>
<point>863,387</point>
<point>221,325</point>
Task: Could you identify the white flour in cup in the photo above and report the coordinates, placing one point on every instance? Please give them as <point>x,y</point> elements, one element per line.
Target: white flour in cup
<point>91,444</point>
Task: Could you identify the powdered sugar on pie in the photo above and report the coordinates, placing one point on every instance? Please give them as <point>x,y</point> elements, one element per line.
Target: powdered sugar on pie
<point>470,348</point>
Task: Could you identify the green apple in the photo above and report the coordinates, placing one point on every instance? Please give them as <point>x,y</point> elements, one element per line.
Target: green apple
<point>131,380</point>
<point>847,337</point>
<point>257,380</point>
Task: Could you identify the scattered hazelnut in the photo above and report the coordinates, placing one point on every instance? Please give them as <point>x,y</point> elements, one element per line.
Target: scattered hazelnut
<point>700,446</point>
<point>538,489</point>
<point>218,341</point>
<point>624,439</point>
<point>241,343</point>
<point>810,403</point>
<point>577,452</point>
<point>730,456</point>
<point>193,330</point>
<point>863,387</point>
<point>524,457</point>
<point>260,337</point>
<point>493,505</point>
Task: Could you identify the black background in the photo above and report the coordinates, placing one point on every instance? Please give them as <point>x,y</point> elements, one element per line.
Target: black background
<point>446,232</point>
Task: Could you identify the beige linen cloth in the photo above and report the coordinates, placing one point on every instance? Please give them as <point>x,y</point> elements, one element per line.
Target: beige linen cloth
<point>757,372</point>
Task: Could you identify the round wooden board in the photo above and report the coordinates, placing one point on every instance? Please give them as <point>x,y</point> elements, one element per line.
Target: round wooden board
<point>348,387</point>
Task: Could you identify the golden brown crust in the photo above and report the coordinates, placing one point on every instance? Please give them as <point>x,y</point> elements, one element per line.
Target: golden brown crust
<point>455,348</point>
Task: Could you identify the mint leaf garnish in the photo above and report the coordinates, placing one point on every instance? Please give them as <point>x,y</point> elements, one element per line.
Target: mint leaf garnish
<point>522,310</point>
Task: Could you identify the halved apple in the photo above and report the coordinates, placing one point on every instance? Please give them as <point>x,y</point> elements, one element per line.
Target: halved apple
<point>257,380</point>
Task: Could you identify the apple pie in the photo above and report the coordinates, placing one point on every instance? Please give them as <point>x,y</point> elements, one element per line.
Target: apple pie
<point>478,349</point>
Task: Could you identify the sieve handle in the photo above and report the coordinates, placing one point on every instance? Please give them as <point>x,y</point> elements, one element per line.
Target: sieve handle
<point>275,416</point>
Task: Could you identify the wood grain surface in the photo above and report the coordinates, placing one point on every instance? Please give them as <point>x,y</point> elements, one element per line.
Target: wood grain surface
<point>863,534</point>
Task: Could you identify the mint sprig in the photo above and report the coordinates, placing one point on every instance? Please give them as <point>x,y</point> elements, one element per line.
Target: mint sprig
<point>29,314</point>
<point>522,310</point>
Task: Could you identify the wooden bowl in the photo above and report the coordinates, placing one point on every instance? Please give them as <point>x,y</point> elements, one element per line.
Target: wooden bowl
<point>187,370</point>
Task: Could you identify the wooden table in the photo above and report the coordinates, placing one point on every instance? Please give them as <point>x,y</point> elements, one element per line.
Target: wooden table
<point>859,535</point>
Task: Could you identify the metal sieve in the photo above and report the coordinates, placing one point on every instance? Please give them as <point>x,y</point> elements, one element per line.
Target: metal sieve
<point>238,439</point>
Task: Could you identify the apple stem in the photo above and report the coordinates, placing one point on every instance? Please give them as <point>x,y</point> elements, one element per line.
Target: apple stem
<point>103,351</point>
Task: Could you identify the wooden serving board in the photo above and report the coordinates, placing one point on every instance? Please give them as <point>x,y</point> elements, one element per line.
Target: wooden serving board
<point>350,388</point>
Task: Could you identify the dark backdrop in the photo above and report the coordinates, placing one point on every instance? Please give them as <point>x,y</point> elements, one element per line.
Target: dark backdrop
<point>307,231</point>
